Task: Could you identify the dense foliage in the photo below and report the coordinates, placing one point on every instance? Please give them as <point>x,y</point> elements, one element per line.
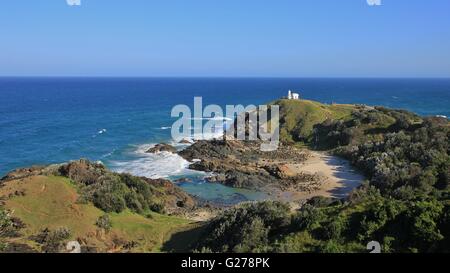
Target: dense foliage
<point>246,228</point>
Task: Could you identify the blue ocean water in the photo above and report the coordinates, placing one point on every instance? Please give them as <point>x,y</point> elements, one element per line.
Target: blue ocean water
<point>52,120</point>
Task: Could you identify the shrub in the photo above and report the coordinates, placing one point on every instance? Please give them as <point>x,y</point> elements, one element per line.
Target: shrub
<point>254,237</point>
<point>52,241</point>
<point>246,228</point>
<point>6,223</point>
<point>330,246</point>
<point>104,222</point>
<point>308,218</point>
<point>157,207</point>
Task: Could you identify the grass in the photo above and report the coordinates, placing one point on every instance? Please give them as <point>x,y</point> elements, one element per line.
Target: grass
<point>150,232</point>
<point>51,202</point>
<point>298,117</point>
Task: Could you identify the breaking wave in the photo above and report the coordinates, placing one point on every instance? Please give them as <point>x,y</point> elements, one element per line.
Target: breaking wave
<point>157,165</point>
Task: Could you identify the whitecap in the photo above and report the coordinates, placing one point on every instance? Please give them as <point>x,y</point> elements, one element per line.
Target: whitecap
<point>102,131</point>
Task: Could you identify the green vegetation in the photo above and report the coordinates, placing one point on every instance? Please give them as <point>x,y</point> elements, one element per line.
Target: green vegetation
<point>51,214</point>
<point>112,192</point>
<point>52,241</point>
<point>405,205</point>
<point>405,158</point>
<point>245,228</point>
<point>414,226</point>
<point>6,227</point>
<point>104,222</point>
<point>298,117</point>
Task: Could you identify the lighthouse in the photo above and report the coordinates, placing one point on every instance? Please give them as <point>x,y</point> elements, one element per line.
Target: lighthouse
<point>293,96</point>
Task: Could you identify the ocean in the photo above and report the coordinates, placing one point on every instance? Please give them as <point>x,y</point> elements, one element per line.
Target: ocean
<point>114,120</point>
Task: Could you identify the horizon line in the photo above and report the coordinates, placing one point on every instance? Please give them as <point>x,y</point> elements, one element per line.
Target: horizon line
<point>228,77</point>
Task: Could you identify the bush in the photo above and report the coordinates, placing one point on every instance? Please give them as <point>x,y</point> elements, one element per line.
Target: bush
<point>157,207</point>
<point>52,241</point>
<point>104,222</point>
<point>247,228</point>
<point>333,229</point>
<point>321,201</point>
<point>422,221</point>
<point>331,247</point>
<point>6,223</point>
<point>254,237</point>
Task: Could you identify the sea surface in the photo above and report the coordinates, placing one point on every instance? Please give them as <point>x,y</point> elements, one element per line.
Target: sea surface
<point>115,120</point>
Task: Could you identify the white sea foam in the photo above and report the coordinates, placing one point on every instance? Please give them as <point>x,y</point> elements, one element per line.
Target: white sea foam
<point>102,131</point>
<point>158,165</point>
<point>163,164</point>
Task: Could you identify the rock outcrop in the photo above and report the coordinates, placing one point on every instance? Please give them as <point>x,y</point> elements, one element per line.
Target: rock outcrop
<point>162,147</point>
<point>242,164</point>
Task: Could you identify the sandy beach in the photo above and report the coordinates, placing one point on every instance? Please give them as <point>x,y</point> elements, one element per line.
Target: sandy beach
<point>339,177</point>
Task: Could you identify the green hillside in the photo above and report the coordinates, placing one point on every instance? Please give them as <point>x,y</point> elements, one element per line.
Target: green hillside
<point>44,212</point>
<point>297,117</point>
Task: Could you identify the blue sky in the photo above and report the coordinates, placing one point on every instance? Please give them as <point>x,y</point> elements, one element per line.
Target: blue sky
<point>248,38</point>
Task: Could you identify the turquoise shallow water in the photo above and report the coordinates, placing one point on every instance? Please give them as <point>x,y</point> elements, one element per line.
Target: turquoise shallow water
<point>52,120</point>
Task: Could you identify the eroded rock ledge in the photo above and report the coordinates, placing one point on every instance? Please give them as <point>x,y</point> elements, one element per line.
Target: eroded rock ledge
<point>242,164</point>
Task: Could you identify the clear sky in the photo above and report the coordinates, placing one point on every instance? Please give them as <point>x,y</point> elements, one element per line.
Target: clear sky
<point>254,38</point>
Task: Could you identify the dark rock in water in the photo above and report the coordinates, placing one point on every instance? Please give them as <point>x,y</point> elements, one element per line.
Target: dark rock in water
<point>211,149</point>
<point>162,147</point>
<point>219,178</point>
<point>185,141</point>
<point>183,180</point>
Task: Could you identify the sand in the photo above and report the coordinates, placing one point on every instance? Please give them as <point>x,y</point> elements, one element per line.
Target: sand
<point>339,177</point>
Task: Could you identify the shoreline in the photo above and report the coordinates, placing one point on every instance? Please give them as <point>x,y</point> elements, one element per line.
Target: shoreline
<point>340,178</point>
<point>294,178</point>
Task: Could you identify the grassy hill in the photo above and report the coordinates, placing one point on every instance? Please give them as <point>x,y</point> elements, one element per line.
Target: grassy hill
<point>298,117</point>
<point>46,213</point>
